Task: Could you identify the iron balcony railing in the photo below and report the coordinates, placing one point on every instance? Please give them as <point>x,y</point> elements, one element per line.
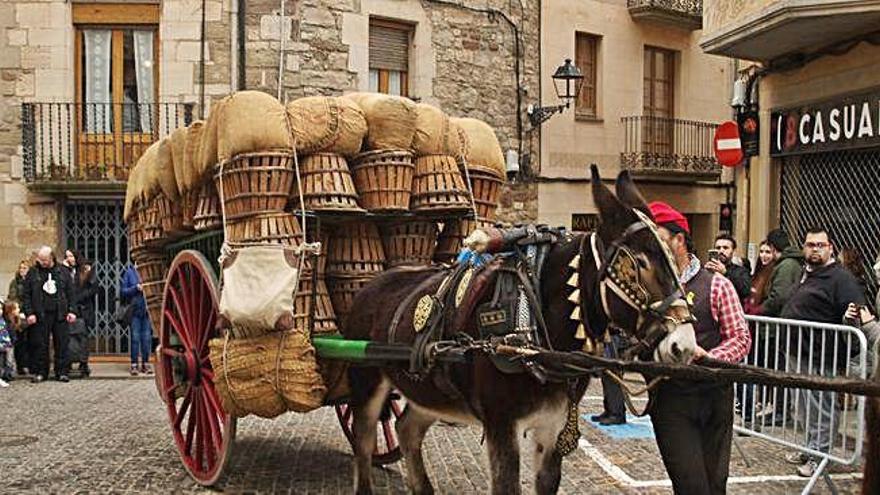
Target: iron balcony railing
<point>685,13</point>
<point>77,142</point>
<point>667,147</point>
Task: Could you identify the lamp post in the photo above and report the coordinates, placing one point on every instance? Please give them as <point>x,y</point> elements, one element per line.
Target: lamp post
<point>567,81</point>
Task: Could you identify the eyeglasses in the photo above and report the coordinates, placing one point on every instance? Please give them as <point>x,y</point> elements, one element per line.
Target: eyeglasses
<point>816,245</point>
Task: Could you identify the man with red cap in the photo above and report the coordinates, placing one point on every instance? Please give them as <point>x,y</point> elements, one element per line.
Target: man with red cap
<point>693,421</point>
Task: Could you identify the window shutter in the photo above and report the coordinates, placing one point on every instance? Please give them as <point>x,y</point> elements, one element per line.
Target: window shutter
<point>389,47</point>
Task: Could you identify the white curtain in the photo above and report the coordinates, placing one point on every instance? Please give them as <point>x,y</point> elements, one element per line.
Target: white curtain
<point>143,60</point>
<point>99,115</point>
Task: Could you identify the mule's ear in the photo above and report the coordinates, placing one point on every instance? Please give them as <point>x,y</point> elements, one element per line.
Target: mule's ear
<point>629,194</point>
<point>614,216</point>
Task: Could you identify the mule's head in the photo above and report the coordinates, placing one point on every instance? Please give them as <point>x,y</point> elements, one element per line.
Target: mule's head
<point>639,285</point>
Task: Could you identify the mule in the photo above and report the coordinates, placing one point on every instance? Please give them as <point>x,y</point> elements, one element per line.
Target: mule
<point>509,405</point>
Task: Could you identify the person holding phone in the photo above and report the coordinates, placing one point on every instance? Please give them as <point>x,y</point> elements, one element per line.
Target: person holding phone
<point>721,261</point>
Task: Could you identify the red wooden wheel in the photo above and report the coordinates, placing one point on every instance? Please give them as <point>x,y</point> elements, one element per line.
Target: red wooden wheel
<point>202,431</point>
<point>387,449</point>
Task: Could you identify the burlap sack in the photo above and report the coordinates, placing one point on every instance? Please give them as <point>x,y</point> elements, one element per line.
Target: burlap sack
<point>267,375</point>
<point>132,189</point>
<point>207,154</point>
<point>258,286</point>
<point>391,120</point>
<point>432,131</point>
<point>483,151</point>
<point>327,124</point>
<point>178,153</point>
<point>191,158</point>
<point>252,121</point>
<point>165,169</point>
<point>150,178</point>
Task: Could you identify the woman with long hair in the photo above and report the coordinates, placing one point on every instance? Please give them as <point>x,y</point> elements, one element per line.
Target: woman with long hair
<point>761,278</point>
<point>85,289</point>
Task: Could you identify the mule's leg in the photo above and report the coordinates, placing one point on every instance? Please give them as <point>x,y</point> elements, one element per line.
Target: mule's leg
<point>548,460</point>
<point>411,429</point>
<point>503,457</point>
<point>365,413</point>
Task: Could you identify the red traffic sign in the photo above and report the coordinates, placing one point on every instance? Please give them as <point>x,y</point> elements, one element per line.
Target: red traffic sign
<point>728,148</point>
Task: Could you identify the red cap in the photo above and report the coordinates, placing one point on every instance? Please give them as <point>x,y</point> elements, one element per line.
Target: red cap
<point>663,213</point>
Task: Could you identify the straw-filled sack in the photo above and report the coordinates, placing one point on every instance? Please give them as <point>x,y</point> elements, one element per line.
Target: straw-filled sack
<point>191,158</point>
<point>165,169</point>
<point>150,178</point>
<point>251,121</point>
<point>267,375</point>
<point>207,154</point>
<point>326,124</point>
<point>133,189</point>
<point>434,133</point>
<point>178,154</point>
<point>391,120</point>
<point>483,150</point>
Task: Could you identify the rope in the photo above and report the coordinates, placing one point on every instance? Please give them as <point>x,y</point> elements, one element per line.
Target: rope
<point>629,393</point>
<point>467,174</point>
<point>226,375</point>
<point>281,36</point>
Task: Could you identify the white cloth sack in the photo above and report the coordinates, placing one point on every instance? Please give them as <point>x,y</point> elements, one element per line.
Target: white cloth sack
<point>258,289</point>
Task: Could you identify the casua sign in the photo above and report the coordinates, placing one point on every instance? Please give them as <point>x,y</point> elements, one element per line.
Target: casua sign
<point>846,122</point>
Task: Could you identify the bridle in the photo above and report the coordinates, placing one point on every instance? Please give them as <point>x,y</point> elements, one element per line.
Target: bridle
<point>618,272</point>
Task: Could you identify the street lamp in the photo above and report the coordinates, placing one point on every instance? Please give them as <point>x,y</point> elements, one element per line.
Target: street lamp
<point>567,81</point>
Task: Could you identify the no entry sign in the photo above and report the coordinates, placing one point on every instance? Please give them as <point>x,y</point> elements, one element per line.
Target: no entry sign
<point>728,148</point>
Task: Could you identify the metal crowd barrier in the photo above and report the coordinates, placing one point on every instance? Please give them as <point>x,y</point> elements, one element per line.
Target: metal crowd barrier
<point>827,426</point>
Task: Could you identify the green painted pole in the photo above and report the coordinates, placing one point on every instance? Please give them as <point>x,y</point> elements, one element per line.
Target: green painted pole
<point>337,348</point>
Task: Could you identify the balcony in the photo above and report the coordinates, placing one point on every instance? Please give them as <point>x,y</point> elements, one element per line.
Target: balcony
<point>669,149</point>
<point>90,147</point>
<point>686,14</point>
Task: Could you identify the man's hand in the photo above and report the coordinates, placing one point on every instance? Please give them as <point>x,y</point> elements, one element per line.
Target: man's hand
<point>716,266</point>
<point>140,287</point>
<point>699,353</point>
<point>32,319</point>
<point>71,318</point>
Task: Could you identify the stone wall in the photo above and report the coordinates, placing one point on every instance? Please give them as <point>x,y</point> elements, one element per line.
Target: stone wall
<point>462,60</point>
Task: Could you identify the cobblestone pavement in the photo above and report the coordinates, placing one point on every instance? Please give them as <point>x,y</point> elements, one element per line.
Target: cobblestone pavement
<point>110,436</point>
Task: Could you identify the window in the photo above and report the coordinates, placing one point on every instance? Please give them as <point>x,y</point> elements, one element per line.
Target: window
<point>586,59</point>
<point>389,57</point>
<point>659,101</point>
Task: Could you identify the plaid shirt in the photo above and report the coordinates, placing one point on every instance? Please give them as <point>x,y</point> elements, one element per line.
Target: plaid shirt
<point>727,311</point>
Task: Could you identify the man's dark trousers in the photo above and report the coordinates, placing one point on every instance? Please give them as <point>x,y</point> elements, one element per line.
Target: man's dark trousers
<point>693,425</point>
<point>48,324</point>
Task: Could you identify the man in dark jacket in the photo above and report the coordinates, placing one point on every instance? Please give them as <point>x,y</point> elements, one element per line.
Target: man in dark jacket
<point>786,274</point>
<point>825,291</point>
<point>46,302</point>
<point>738,275</point>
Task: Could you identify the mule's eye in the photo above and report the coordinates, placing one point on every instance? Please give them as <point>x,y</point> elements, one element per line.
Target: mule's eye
<point>643,262</point>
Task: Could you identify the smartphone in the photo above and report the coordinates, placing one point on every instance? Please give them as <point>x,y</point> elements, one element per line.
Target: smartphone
<point>714,254</point>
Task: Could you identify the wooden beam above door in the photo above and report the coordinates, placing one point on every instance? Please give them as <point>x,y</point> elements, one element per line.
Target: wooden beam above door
<point>116,13</point>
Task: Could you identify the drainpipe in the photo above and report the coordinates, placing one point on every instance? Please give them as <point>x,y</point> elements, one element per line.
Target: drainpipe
<point>242,39</point>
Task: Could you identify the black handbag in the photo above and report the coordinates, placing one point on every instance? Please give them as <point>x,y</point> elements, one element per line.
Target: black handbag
<point>124,313</point>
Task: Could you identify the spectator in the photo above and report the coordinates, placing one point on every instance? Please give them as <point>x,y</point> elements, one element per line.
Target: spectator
<point>854,262</point>
<point>724,265</point>
<point>823,295</point>
<point>7,360</point>
<point>866,321</point>
<point>86,287</point>
<point>767,255</point>
<point>69,263</point>
<point>141,332</point>
<point>613,405</point>
<point>693,421</point>
<point>17,282</point>
<point>877,278</point>
<point>786,273</point>
<point>22,348</point>
<point>46,303</point>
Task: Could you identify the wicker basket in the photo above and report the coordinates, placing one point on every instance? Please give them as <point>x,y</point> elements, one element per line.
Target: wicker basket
<point>171,217</point>
<point>325,317</point>
<point>265,228</point>
<point>343,289</point>
<point>409,242</point>
<point>189,200</point>
<point>254,183</point>
<point>327,184</point>
<point>207,213</point>
<point>449,241</point>
<point>438,186</point>
<point>152,266</point>
<point>154,311</point>
<point>384,179</point>
<point>487,193</point>
<point>135,230</point>
<point>151,221</point>
<point>355,249</point>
